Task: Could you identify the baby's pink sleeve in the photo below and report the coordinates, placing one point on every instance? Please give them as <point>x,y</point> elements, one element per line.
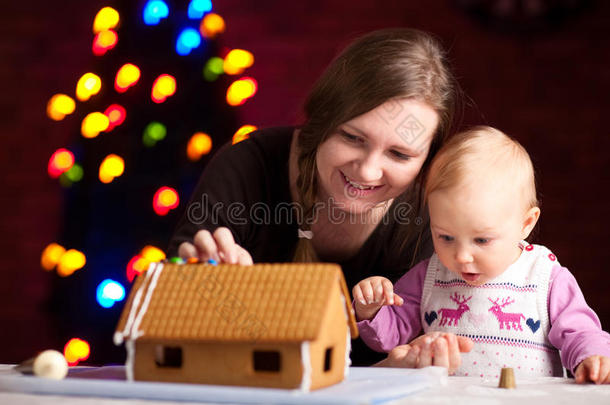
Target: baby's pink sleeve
<point>397,325</point>
<point>575,328</point>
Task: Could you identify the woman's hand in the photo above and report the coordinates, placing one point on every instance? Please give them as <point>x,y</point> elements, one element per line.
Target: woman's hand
<point>595,369</point>
<point>431,349</point>
<point>371,294</point>
<point>219,246</point>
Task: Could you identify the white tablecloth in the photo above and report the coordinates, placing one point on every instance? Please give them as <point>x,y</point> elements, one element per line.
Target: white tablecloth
<point>434,388</point>
<point>536,391</point>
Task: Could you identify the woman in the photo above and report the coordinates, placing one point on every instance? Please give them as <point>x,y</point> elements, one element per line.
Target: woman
<point>344,187</point>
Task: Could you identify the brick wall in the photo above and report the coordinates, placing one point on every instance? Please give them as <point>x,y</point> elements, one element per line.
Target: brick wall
<point>548,90</point>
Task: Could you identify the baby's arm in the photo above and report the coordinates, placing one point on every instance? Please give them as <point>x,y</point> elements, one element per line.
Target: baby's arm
<point>576,330</point>
<point>371,294</point>
<point>394,325</point>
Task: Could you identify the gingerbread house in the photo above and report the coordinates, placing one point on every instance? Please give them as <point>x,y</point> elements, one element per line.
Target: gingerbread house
<point>266,325</point>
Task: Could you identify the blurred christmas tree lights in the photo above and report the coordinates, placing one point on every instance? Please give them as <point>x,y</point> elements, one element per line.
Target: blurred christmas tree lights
<point>145,137</point>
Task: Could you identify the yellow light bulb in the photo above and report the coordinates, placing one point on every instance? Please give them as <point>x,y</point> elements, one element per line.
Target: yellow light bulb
<point>88,85</point>
<point>152,254</point>
<point>167,198</point>
<point>243,133</point>
<point>237,60</point>
<point>200,144</point>
<point>127,75</point>
<point>59,106</point>
<point>107,18</point>
<point>142,264</point>
<point>93,124</point>
<point>166,85</point>
<point>163,87</point>
<point>107,38</point>
<point>76,350</point>
<point>70,261</point>
<point>64,160</point>
<point>105,178</point>
<point>51,255</point>
<point>112,166</point>
<point>157,94</point>
<point>212,25</point>
<point>240,90</point>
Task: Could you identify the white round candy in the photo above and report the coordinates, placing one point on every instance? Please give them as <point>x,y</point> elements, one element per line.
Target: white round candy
<point>51,364</point>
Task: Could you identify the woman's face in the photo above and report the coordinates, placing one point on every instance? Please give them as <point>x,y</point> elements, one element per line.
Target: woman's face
<point>374,157</point>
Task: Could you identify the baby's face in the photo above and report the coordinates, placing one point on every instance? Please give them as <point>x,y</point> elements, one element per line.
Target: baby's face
<point>476,230</point>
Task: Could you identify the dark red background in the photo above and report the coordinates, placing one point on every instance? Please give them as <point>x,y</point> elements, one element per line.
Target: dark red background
<point>548,89</point>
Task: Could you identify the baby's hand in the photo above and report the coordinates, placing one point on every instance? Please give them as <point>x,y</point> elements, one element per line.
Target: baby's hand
<point>371,294</point>
<point>595,369</point>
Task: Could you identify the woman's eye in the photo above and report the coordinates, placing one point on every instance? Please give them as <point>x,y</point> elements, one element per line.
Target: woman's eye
<point>400,155</point>
<point>350,137</point>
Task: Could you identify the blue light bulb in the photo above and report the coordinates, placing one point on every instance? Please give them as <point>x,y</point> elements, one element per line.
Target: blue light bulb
<point>154,11</point>
<point>108,292</point>
<point>187,41</point>
<point>197,8</point>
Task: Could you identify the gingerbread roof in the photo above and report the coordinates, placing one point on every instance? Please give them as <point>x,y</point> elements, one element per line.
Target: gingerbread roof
<point>263,302</point>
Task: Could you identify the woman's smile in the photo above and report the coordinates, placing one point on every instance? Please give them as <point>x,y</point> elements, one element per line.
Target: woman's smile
<point>355,189</point>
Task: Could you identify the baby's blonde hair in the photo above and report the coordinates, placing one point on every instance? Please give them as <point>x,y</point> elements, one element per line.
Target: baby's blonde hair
<point>479,153</point>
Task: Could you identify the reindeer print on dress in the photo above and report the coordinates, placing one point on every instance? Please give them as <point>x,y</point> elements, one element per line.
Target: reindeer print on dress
<point>453,315</point>
<point>506,318</point>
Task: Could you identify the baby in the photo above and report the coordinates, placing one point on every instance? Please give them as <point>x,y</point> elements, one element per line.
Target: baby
<point>513,299</point>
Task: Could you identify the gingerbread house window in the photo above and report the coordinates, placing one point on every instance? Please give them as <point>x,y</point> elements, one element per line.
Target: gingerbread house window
<point>267,360</point>
<point>328,355</point>
<point>166,356</point>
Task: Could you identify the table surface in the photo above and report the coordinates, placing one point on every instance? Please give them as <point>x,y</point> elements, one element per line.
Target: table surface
<point>454,390</point>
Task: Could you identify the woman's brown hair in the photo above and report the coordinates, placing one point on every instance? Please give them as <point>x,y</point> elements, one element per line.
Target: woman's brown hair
<point>380,66</point>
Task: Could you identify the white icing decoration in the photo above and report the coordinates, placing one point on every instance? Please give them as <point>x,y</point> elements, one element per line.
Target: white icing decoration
<point>348,344</point>
<point>119,336</point>
<point>348,350</point>
<point>135,333</point>
<point>130,345</point>
<point>134,319</point>
<point>306,363</point>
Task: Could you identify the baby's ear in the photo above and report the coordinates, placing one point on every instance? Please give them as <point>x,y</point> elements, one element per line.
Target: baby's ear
<point>529,222</point>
